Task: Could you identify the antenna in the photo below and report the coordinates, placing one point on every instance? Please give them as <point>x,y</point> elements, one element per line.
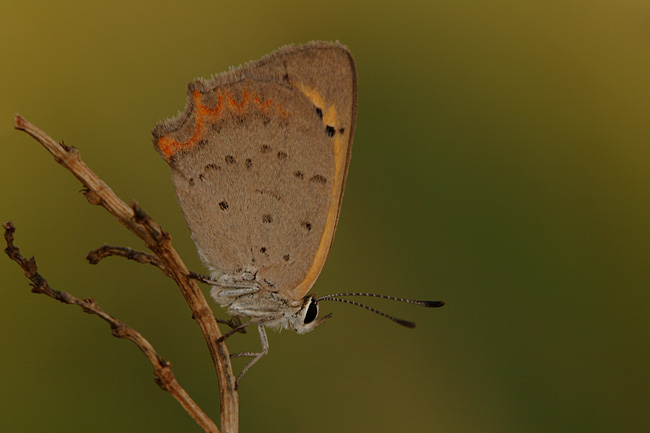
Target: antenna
<point>336,297</point>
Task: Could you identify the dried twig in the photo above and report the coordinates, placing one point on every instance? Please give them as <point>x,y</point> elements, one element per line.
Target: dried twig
<point>162,369</point>
<point>159,242</point>
<point>95,256</point>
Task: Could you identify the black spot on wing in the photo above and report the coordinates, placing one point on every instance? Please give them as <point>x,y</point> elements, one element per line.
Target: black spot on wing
<point>318,179</point>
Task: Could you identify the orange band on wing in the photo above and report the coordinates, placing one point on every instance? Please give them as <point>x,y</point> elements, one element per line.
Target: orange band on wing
<point>330,118</point>
<point>170,146</point>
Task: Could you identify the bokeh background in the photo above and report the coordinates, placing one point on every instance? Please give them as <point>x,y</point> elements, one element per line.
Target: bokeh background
<point>501,163</point>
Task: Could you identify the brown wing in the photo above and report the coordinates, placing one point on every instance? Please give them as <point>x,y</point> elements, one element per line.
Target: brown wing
<point>259,160</point>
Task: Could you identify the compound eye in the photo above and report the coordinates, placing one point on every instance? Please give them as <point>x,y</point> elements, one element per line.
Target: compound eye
<point>312,312</point>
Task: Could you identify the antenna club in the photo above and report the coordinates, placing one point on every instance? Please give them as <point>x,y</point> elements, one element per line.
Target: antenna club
<point>433,304</point>
<point>405,323</point>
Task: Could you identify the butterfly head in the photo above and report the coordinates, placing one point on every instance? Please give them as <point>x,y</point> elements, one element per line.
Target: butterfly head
<point>306,318</point>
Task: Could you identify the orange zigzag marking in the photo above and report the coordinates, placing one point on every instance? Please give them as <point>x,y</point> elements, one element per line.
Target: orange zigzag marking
<point>170,146</point>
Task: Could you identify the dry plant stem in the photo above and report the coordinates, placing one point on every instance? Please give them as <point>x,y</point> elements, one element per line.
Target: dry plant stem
<point>159,242</point>
<point>162,369</point>
<point>95,256</point>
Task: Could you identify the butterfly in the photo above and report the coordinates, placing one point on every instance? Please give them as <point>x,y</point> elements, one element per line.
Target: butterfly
<point>259,161</point>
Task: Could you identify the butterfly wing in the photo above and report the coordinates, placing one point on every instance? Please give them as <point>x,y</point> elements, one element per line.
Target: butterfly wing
<point>259,161</point>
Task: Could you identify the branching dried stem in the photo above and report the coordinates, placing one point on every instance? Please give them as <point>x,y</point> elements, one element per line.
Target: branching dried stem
<point>163,373</point>
<point>165,257</point>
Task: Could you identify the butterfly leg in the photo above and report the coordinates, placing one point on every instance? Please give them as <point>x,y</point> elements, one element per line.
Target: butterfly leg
<point>228,288</point>
<point>240,328</point>
<point>257,356</point>
<point>234,322</point>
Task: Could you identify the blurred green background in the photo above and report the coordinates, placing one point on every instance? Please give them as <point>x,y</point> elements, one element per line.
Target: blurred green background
<point>501,163</point>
